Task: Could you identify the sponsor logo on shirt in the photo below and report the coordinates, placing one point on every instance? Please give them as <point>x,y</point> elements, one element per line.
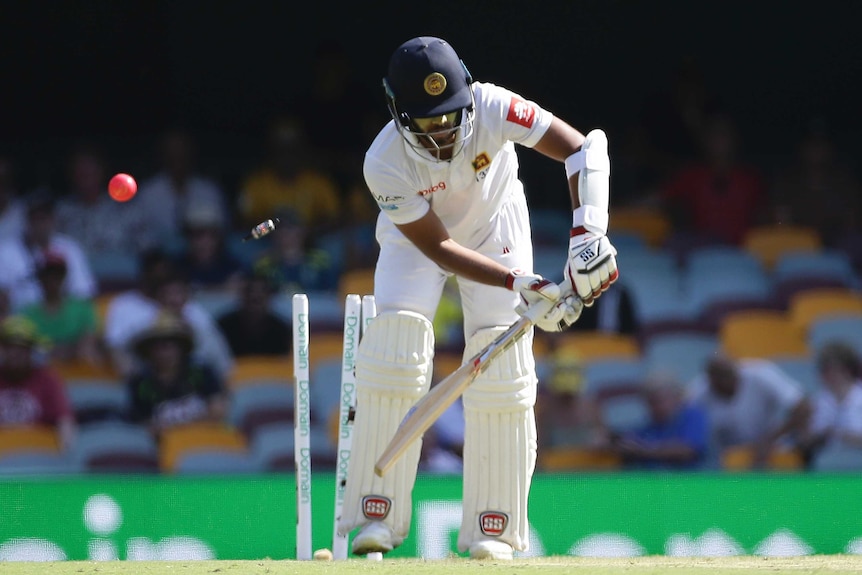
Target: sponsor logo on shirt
<point>435,188</point>
<point>520,112</point>
<point>381,198</point>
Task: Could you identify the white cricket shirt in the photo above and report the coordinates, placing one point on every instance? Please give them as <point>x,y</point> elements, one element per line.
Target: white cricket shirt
<point>467,191</point>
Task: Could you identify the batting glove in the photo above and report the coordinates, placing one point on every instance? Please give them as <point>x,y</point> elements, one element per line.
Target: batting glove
<point>563,309</point>
<point>592,265</point>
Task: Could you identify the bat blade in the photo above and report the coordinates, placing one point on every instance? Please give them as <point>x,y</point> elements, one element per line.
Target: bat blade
<point>428,409</point>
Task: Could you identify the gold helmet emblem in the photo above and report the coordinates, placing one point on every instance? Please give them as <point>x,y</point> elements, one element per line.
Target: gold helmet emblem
<point>435,84</point>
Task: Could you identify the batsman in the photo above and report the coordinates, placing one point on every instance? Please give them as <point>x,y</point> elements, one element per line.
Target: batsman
<point>444,172</point>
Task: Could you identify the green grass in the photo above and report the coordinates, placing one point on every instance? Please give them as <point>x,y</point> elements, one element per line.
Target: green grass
<point>825,564</point>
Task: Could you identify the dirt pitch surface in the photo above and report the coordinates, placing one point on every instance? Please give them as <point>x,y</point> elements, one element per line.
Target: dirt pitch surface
<point>825,564</point>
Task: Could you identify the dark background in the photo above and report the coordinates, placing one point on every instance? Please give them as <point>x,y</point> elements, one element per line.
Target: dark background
<point>122,71</point>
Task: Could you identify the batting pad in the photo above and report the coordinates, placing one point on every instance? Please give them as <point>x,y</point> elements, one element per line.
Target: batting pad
<point>393,370</point>
<point>499,444</point>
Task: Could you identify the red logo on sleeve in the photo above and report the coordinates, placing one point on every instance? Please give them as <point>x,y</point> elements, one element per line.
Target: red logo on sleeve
<point>520,112</point>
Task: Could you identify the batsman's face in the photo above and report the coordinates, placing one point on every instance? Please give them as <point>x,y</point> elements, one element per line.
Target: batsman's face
<point>438,134</point>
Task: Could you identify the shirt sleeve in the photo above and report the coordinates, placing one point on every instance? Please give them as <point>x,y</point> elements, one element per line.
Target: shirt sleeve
<point>519,120</point>
<point>694,428</point>
<point>784,392</point>
<point>389,191</point>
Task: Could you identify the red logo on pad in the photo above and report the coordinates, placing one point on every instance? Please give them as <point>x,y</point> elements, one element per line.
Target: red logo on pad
<point>493,523</point>
<point>520,112</point>
<point>376,506</point>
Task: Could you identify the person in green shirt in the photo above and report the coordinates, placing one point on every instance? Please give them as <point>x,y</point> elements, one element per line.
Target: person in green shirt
<point>67,322</point>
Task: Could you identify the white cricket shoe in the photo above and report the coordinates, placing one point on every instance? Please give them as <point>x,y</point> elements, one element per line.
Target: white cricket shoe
<point>491,549</point>
<point>373,537</point>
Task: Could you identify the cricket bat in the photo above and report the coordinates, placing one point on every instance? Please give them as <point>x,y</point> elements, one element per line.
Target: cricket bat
<point>429,409</point>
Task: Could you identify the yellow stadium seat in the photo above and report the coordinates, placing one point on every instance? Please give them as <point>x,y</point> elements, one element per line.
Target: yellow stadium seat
<point>77,370</point>
<point>177,441</point>
<point>28,438</point>
<point>761,334</point>
<point>596,345</point>
<point>807,306</point>
<point>769,242</point>
<point>742,459</point>
<point>445,364</point>
<point>248,370</point>
<point>325,346</point>
<point>359,281</point>
<point>572,458</point>
<point>648,223</point>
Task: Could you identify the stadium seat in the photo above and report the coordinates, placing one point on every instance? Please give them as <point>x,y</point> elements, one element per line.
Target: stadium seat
<point>98,400</point>
<point>596,345</point>
<point>325,347</point>
<point>769,243</point>
<point>650,224</point>
<point>624,410</point>
<point>325,387</point>
<point>254,370</point>
<point>722,260</point>
<point>114,270</point>
<point>827,264</point>
<point>359,281</point>
<point>761,334</point>
<point>680,354</point>
<point>272,447</point>
<point>837,458</point>
<point>115,447</point>
<point>576,459</point>
<point>216,302</point>
<point>447,362</point>
<point>71,371</point>
<point>177,441</point>
<point>216,462</point>
<point>325,310</point>
<point>800,369</point>
<point>845,329</point>
<point>712,296</point>
<point>742,459</point>
<point>606,374</point>
<point>252,406</point>
<point>549,225</point>
<point>28,439</point>
<point>809,306</point>
<point>38,463</point>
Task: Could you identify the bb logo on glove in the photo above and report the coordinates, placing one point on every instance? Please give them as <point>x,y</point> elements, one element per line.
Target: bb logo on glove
<point>493,523</point>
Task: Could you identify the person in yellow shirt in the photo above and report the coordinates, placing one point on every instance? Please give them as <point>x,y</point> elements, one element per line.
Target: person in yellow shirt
<point>290,180</point>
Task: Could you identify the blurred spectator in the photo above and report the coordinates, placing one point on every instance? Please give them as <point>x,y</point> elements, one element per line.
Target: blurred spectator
<point>160,287</point>
<point>835,421</point>
<point>68,322</point>
<point>31,394</point>
<point>292,262</point>
<point>87,213</point>
<point>357,233</point>
<point>336,101</point>
<point>751,403</point>
<point>436,458</point>
<point>290,179</point>
<point>677,436</point>
<point>811,186</point>
<point>169,388</point>
<point>667,133</point>
<point>253,328</point>
<point>12,209</point>
<point>173,295</point>
<point>206,258</point>
<point>21,256</point>
<point>717,197</point>
<point>568,417</point>
<point>179,187</point>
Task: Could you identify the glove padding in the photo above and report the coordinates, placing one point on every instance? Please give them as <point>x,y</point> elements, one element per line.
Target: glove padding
<point>564,310</point>
<point>591,267</point>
